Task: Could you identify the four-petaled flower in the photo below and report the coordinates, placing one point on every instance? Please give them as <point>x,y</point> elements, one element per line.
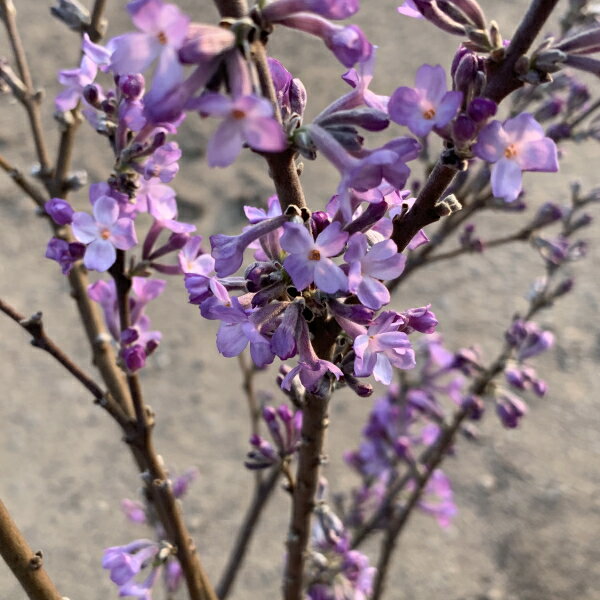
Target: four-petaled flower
<point>517,145</point>
<point>309,260</point>
<point>103,233</point>
<point>246,119</point>
<point>427,105</point>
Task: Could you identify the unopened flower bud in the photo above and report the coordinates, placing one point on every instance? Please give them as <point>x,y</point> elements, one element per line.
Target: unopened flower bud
<point>132,86</point>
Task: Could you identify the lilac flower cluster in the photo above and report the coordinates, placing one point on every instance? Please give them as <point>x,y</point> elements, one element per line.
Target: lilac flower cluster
<point>153,558</point>
<point>335,570</point>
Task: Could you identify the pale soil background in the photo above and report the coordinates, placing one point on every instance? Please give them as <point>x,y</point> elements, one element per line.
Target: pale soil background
<point>529,502</point>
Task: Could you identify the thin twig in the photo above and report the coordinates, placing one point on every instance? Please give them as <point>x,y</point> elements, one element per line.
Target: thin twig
<point>35,327</point>
<point>26,565</point>
<point>310,459</point>
<point>262,493</point>
<point>432,457</point>
<point>31,101</point>
<point>29,188</point>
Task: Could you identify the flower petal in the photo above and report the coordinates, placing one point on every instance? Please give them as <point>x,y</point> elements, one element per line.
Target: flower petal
<point>506,179</point>
<point>100,255</point>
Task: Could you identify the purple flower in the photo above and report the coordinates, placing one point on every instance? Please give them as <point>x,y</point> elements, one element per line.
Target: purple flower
<point>228,250</point>
<point>60,211</point>
<point>192,260</point>
<point>102,233</point>
<point>420,319</point>
<point>439,499</point>
<point>125,562</point>
<point>66,254</point>
<point>510,409</point>
<point>528,339</point>
<point>517,145</point>
<point>311,374</point>
<point>134,510</point>
<point>383,347</point>
<point>182,483</point>
<point>426,106</point>
<point>163,162</point>
<point>367,266</point>
<point>360,78</point>
<point>308,259</point>
<point>162,31</point>
<point>247,119</point>
<point>75,80</point>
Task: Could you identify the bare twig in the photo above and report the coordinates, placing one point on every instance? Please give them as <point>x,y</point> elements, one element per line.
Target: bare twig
<point>310,458</point>
<point>31,100</point>
<point>26,565</point>
<point>41,340</point>
<point>29,188</point>
<point>262,493</point>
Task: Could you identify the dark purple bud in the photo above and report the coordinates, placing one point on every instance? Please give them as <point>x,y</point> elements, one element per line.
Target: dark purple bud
<point>470,9</point>
<point>256,275</point>
<point>465,75</point>
<point>549,110</point>
<point>510,409</point>
<point>579,94</point>
<point>151,346</point>
<point>460,53</point>
<point>402,447</point>
<point>298,96</point>
<point>356,313</point>
<point>134,357</point>
<point>91,94</point>
<point>360,388</point>
<point>564,287</point>
<point>475,406</point>
<point>132,86</point>
<point>546,214</point>
<point>421,319</point>
<point>373,213</point>
<point>370,119</point>
<point>463,129</point>
<point>319,220</point>
<point>65,253</point>
<point>270,418</point>
<point>129,336</point>
<point>481,109</point>
<point>60,211</point>
<point>560,131</point>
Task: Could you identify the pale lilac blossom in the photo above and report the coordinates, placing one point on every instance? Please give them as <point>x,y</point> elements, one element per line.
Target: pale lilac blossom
<point>103,233</point>
<point>427,105</point>
<point>75,80</point>
<point>162,31</point>
<point>383,347</point>
<point>368,266</point>
<point>519,144</point>
<point>246,119</point>
<point>309,260</point>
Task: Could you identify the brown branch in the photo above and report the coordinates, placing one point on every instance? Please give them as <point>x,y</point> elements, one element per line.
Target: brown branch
<point>26,565</point>
<point>310,459</point>
<point>97,26</point>
<point>262,493</point>
<point>504,79</point>
<point>35,327</point>
<point>31,100</point>
<point>33,192</point>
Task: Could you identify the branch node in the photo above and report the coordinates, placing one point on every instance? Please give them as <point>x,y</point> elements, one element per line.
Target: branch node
<point>36,561</point>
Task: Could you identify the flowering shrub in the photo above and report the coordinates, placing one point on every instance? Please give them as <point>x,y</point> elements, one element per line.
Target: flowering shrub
<point>307,287</point>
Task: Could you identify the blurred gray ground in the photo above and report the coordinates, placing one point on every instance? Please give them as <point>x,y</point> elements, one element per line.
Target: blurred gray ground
<point>529,500</point>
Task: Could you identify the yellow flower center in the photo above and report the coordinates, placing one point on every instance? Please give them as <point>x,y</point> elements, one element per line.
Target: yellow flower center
<point>162,38</point>
<point>314,255</point>
<point>238,114</point>
<point>105,234</point>
<point>510,151</point>
<point>429,114</point>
